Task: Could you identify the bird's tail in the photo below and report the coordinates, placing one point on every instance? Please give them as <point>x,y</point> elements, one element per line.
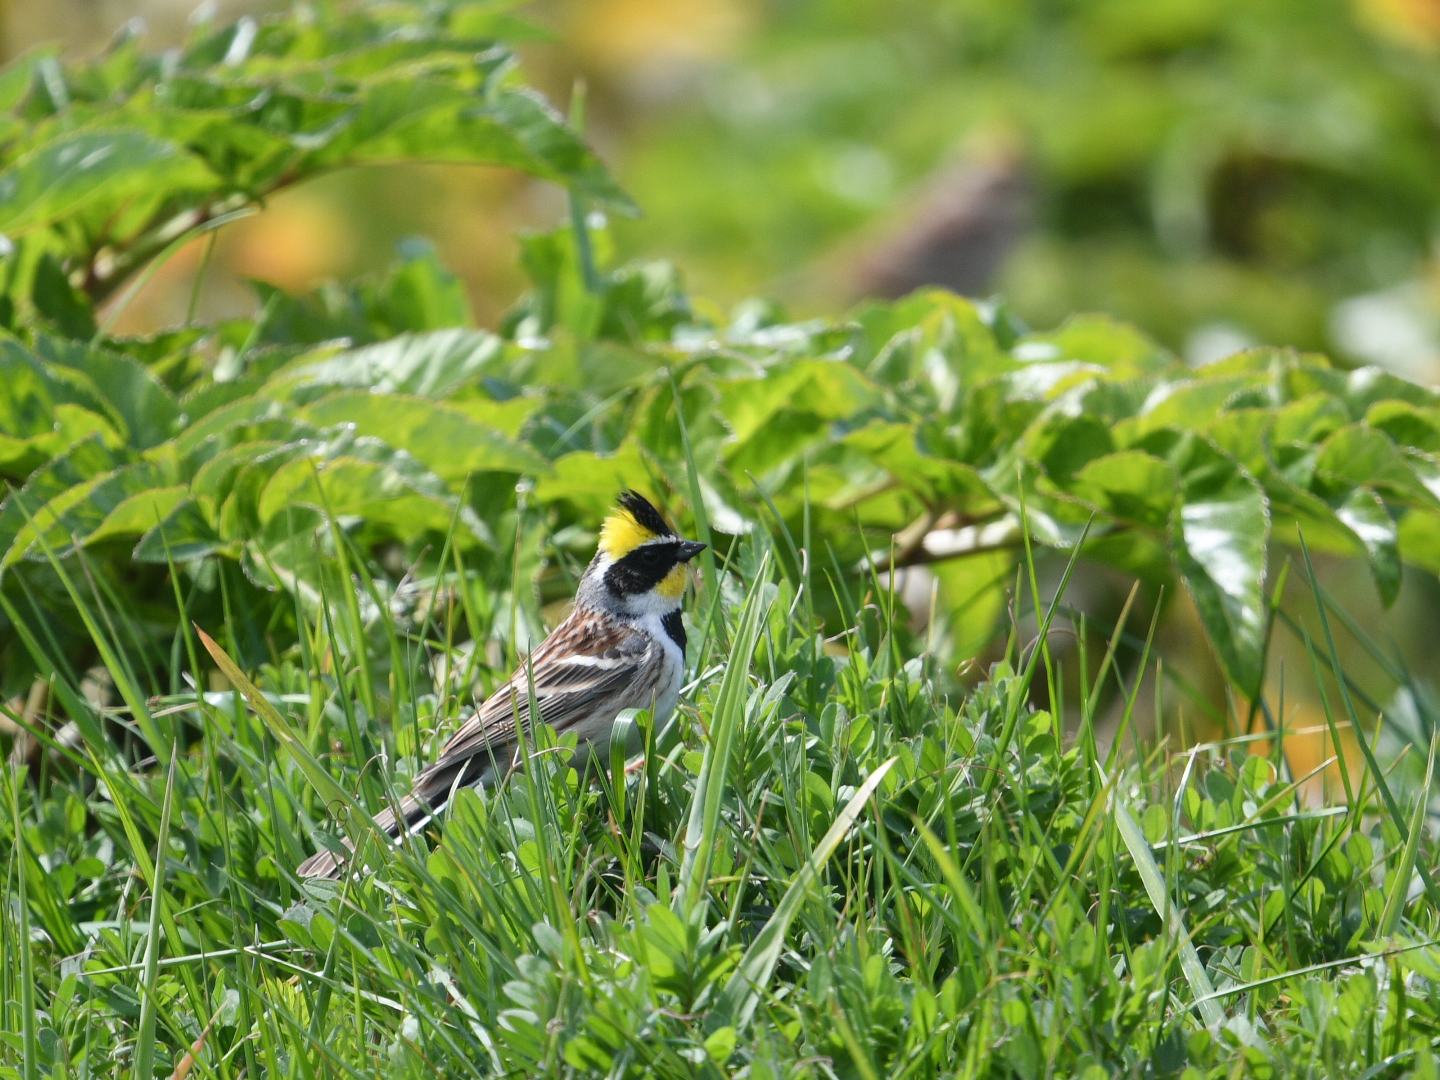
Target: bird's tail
<point>433,787</point>
<point>412,815</point>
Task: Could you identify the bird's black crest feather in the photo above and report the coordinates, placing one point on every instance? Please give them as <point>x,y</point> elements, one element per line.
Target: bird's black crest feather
<point>640,509</point>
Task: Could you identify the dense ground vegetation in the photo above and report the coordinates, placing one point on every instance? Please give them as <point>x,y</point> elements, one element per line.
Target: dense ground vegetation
<point>251,574</point>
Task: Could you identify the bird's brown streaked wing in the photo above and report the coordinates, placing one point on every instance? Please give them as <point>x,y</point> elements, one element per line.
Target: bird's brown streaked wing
<point>572,672</point>
<point>581,664</point>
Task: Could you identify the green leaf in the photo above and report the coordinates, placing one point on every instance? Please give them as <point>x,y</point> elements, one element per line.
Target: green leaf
<point>382,489</point>
<point>777,415</point>
<point>184,533</point>
<point>335,797</point>
<point>1359,454</point>
<point>420,294</point>
<point>77,465</point>
<point>1407,424</point>
<point>1400,891</point>
<point>1157,890</point>
<point>1419,539</point>
<point>60,302</point>
<point>149,411</point>
<point>1063,444</point>
<point>131,499</point>
<point>1363,513</point>
<point>426,119</point>
<point>76,171</point>
<point>823,388</point>
<point>1218,537</point>
<point>741,995</point>
<point>72,424</point>
<point>935,479</point>
<point>445,440</point>
<point>731,700</point>
<point>1130,486</point>
<point>1191,404</point>
<point>1101,340</point>
<point>590,481</point>
<point>139,513</point>
<point>427,365</point>
<point>972,591</point>
<point>930,337</point>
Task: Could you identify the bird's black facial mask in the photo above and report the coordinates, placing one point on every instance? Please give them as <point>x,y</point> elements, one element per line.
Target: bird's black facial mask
<point>647,566</point>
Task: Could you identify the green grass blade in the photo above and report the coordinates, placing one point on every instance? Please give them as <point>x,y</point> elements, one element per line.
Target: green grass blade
<point>335,797</point>
<point>109,654</point>
<point>622,734</point>
<point>730,702</point>
<point>955,881</point>
<point>145,1039</point>
<point>1375,771</point>
<point>29,1033</point>
<point>742,993</point>
<point>697,500</point>
<point>1154,882</point>
<point>1395,902</point>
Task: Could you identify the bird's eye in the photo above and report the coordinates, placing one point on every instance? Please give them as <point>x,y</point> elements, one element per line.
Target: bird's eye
<point>650,556</point>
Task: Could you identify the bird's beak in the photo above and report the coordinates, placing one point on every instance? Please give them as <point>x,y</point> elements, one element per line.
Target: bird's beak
<point>689,549</point>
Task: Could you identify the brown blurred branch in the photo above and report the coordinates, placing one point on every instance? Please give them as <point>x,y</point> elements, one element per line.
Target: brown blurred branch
<point>955,233</point>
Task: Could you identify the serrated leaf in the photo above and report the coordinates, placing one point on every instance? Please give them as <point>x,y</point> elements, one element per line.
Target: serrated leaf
<point>427,365</point>
<point>139,513</point>
<point>591,481</point>
<point>405,501</point>
<point>426,119</point>
<point>1363,513</point>
<point>148,410</point>
<point>121,499</point>
<point>70,425</point>
<point>1099,339</point>
<point>1130,486</point>
<point>73,172</point>
<point>184,533</point>
<point>934,479</point>
<point>78,465</point>
<point>1360,454</point>
<point>1218,537</point>
<point>444,439</point>
<point>823,388</point>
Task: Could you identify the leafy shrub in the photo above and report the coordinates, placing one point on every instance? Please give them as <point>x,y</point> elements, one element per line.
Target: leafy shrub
<point>932,420</point>
<point>377,408</point>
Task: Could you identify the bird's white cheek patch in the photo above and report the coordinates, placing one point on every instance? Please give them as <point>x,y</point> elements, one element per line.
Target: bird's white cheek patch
<point>672,585</point>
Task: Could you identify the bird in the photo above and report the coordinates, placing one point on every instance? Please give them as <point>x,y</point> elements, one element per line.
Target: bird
<point>622,647</point>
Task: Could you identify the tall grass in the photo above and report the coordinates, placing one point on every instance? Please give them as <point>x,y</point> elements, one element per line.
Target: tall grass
<point>835,864</point>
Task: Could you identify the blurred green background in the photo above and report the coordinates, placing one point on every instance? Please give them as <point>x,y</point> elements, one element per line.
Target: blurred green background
<point>1220,172</point>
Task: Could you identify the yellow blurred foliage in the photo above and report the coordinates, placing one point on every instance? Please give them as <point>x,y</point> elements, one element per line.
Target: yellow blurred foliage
<point>296,243</point>
<point>1411,22</point>
<point>623,33</point>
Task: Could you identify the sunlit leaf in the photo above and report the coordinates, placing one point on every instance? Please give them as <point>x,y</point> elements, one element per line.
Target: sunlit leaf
<point>81,169</point>
<point>445,440</point>
<point>427,365</point>
<point>1218,534</point>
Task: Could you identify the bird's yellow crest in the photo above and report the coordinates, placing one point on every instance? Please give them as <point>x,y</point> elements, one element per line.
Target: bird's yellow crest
<point>622,534</point>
